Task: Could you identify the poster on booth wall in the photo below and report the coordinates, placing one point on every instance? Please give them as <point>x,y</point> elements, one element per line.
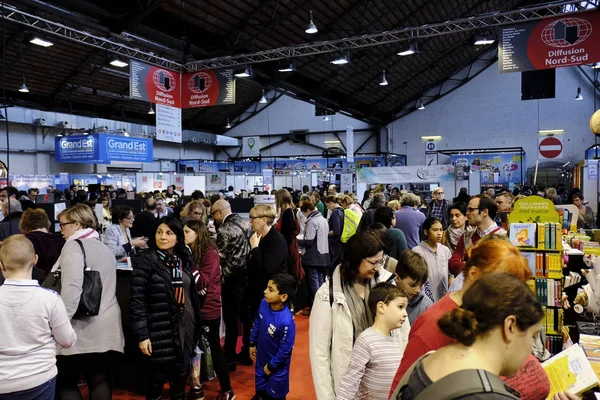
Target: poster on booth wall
<point>25,182</point>
<point>549,43</point>
<point>506,165</point>
<point>154,84</point>
<point>208,88</point>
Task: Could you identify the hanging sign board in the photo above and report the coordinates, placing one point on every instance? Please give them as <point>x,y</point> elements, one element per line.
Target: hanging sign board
<point>251,146</point>
<point>168,124</point>
<point>102,149</point>
<point>346,183</point>
<point>349,143</point>
<point>412,174</point>
<point>592,170</point>
<point>208,88</point>
<point>549,43</point>
<point>154,84</point>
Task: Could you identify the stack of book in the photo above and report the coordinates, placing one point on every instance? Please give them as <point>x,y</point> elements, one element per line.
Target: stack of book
<point>548,291</point>
<point>544,236</point>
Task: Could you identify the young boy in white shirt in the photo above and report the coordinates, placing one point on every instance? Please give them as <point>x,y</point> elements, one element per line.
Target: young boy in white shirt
<point>32,321</point>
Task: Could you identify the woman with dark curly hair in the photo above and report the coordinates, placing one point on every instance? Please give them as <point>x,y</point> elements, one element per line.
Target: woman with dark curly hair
<point>337,321</point>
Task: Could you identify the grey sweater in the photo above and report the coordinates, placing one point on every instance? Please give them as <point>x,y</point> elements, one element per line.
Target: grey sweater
<point>103,332</point>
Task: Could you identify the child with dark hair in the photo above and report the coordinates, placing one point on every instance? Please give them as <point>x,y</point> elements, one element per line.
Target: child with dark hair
<point>376,356</point>
<point>411,275</point>
<point>437,256</point>
<point>272,338</point>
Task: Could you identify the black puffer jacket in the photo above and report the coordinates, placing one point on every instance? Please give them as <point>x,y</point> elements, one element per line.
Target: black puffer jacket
<point>154,312</point>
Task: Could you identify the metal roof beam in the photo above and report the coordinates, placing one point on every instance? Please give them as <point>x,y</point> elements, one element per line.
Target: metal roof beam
<point>13,14</point>
<point>487,20</point>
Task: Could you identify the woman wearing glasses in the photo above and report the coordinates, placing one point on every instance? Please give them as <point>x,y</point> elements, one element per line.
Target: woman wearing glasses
<point>336,322</point>
<point>118,237</point>
<point>193,211</point>
<point>99,338</point>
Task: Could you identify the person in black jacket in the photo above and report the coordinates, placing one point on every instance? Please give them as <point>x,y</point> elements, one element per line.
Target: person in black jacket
<point>164,308</point>
<point>336,227</point>
<point>268,254</point>
<point>144,222</point>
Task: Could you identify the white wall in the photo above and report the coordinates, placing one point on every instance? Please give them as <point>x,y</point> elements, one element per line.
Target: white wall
<point>288,114</point>
<point>488,112</point>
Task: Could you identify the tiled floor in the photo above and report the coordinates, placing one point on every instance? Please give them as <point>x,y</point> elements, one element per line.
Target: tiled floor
<point>301,384</point>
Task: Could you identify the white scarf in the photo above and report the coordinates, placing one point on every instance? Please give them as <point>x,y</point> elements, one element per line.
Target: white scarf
<point>83,234</point>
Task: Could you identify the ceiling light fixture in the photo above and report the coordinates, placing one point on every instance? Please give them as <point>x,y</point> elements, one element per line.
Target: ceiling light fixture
<point>125,133</point>
<point>24,88</point>
<point>117,62</point>
<point>311,27</point>
<point>287,66</point>
<point>243,72</point>
<point>341,59</point>
<point>384,81</point>
<point>420,105</point>
<point>60,134</point>
<point>436,137</point>
<point>579,96</point>
<point>332,142</point>
<point>263,99</point>
<point>228,126</point>
<point>551,132</point>
<point>482,40</point>
<point>40,42</point>
<point>326,118</point>
<point>412,49</point>
<point>151,110</point>
<point>596,65</point>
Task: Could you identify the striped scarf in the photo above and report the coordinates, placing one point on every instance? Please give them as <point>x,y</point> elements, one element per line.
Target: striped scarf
<point>173,262</point>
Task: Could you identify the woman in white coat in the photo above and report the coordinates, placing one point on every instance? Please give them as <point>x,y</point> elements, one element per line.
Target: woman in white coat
<point>335,324</point>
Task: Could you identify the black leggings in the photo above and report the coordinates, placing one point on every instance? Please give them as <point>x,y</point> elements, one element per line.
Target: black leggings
<point>97,370</point>
<point>218,357</point>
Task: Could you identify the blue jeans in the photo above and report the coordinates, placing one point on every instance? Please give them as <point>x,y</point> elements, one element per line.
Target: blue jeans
<point>315,278</point>
<point>45,391</point>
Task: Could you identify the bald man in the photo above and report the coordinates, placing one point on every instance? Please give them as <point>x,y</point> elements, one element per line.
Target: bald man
<point>32,321</point>
<point>234,250</point>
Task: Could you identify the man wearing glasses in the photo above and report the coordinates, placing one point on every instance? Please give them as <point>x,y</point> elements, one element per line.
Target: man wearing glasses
<point>438,207</point>
<point>481,212</point>
<point>234,251</point>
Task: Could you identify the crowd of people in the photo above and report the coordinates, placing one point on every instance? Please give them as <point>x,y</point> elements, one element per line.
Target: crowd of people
<point>385,281</point>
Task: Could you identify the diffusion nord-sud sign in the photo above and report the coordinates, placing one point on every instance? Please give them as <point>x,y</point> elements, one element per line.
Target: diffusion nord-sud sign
<point>102,149</point>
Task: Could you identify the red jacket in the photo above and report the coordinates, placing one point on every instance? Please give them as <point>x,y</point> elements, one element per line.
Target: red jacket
<point>207,276</point>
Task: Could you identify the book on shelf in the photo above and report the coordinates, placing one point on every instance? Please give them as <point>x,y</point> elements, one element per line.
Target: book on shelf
<point>523,235</point>
<point>570,371</point>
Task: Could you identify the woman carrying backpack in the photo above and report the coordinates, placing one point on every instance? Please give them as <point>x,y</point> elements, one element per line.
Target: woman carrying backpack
<point>495,328</point>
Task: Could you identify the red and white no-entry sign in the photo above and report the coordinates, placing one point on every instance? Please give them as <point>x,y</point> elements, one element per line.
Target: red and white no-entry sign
<point>550,148</point>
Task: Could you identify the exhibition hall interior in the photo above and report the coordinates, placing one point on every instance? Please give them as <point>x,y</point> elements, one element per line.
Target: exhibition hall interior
<point>299,199</point>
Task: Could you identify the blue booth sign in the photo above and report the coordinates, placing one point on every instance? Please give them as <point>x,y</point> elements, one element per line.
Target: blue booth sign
<point>102,149</point>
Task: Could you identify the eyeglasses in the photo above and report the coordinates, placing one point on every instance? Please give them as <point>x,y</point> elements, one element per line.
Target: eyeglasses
<point>197,213</point>
<point>471,209</point>
<point>376,263</point>
<point>259,216</point>
<point>63,224</point>
<point>213,212</point>
<point>439,193</point>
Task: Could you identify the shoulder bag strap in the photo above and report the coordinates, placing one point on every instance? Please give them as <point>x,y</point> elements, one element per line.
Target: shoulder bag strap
<point>83,251</point>
<point>331,292</point>
<point>463,383</point>
<point>397,394</point>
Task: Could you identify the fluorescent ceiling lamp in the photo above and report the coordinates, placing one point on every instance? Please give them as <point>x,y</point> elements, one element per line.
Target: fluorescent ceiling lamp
<point>125,133</point>
<point>263,99</point>
<point>420,105</point>
<point>579,96</point>
<point>60,134</point>
<point>384,81</point>
<point>438,137</point>
<point>325,118</point>
<point>41,42</point>
<point>412,49</point>
<point>482,40</point>
<point>552,132</point>
<point>151,110</point>
<point>311,27</point>
<point>332,142</point>
<point>244,72</point>
<point>341,59</point>
<point>228,126</point>
<point>116,62</point>
<point>287,66</point>
<point>24,88</point>
<point>596,65</point>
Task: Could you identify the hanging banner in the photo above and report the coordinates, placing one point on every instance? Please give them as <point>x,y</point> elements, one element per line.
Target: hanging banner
<point>168,124</point>
<point>154,84</point>
<point>506,165</point>
<point>349,143</point>
<point>412,174</point>
<point>102,149</point>
<point>430,153</point>
<point>251,146</point>
<point>549,43</point>
<point>208,88</point>
<point>25,182</point>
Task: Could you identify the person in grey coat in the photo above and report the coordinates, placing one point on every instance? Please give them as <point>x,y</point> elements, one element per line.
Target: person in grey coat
<point>100,338</point>
<point>118,237</point>
<point>315,259</point>
<point>12,210</point>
